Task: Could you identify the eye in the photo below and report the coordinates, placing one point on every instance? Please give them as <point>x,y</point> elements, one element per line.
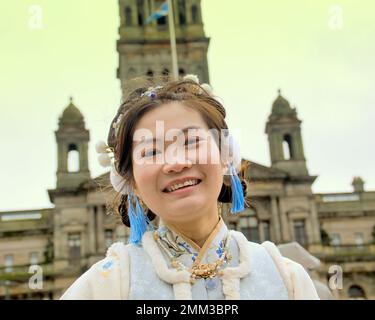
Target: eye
<point>150,153</point>
<point>192,140</point>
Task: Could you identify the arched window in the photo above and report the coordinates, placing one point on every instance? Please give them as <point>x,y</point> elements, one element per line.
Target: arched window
<point>182,12</point>
<point>150,73</point>
<point>194,14</point>
<point>73,158</point>
<point>128,16</point>
<point>288,147</point>
<point>140,12</point>
<point>356,292</point>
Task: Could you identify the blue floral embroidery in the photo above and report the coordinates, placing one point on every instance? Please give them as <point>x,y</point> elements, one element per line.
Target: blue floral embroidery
<point>107,265</point>
<point>220,249</point>
<point>194,256</point>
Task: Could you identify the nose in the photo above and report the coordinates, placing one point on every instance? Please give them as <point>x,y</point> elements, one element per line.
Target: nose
<point>177,166</point>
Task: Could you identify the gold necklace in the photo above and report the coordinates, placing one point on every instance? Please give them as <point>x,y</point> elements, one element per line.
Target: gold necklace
<point>199,270</point>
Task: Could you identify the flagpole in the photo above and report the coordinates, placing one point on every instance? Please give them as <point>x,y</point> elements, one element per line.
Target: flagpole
<point>172,35</point>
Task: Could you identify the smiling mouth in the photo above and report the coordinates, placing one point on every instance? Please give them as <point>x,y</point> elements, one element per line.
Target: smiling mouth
<point>180,186</point>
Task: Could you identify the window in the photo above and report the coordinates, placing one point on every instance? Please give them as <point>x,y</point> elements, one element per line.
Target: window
<point>288,147</point>
<point>248,225</point>
<point>162,21</point>
<point>359,241</point>
<point>9,263</point>
<point>150,73</point>
<point>356,292</point>
<point>182,12</point>
<point>140,10</point>
<point>335,239</point>
<point>194,14</point>
<point>122,238</point>
<point>181,72</point>
<point>266,230</point>
<point>165,72</point>
<point>232,225</point>
<point>299,232</point>
<point>74,244</point>
<point>108,237</point>
<point>128,16</point>
<point>33,258</point>
<point>73,158</point>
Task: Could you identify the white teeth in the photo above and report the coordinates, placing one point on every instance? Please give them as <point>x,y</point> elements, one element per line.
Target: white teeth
<point>180,185</point>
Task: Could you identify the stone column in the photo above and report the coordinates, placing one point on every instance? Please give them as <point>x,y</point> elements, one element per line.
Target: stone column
<point>275,221</point>
<point>134,8</point>
<point>261,233</point>
<point>188,13</point>
<point>84,158</point>
<point>315,223</point>
<point>308,230</point>
<point>100,229</point>
<point>57,245</point>
<point>91,230</point>
<point>285,230</point>
<point>153,8</point>
<point>146,9</point>
<point>176,14</point>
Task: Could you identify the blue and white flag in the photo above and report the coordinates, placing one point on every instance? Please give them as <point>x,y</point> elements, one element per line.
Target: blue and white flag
<point>162,12</point>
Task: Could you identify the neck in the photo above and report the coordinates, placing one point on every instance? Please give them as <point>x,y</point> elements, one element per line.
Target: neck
<point>197,230</point>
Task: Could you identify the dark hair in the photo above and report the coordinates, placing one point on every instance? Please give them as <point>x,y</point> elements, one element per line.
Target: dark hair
<point>191,94</point>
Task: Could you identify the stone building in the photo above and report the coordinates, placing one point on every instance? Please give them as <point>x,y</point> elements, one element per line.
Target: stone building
<point>144,48</point>
<point>66,240</point>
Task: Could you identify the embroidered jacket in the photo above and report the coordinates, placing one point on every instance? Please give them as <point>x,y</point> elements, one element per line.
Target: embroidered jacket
<point>160,268</point>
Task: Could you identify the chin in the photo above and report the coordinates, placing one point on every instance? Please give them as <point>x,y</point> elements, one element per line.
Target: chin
<point>189,208</point>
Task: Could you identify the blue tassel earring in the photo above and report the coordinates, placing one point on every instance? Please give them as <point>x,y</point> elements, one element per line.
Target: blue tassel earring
<point>238,200</point>
<point>138,220</point>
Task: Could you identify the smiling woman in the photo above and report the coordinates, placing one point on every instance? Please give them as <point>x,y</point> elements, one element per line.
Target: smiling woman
<point>174,158</point>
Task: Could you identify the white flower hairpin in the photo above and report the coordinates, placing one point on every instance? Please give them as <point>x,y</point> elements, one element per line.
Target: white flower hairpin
<point>194,78</point>
<point>106,159</point>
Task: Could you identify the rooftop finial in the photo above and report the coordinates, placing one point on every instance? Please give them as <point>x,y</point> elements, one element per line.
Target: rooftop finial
<point>71,99</point>
<point>279,91</point>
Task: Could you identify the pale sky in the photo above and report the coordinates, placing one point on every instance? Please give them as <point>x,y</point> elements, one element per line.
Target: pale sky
<point>319,52</point>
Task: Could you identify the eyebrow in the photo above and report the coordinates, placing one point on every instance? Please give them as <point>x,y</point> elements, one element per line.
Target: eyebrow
<point>184,130</point>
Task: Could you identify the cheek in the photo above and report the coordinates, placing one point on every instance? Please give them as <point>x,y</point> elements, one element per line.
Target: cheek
<point>145,179</point>
<point>207,153</point>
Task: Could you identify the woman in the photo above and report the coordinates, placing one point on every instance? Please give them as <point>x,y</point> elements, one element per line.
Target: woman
<point>173,158</point>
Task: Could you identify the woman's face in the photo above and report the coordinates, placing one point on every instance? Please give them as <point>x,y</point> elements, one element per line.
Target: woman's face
<point>178,173</point>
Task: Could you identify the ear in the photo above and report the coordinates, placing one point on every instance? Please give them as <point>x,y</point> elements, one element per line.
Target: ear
<point>224,168</point>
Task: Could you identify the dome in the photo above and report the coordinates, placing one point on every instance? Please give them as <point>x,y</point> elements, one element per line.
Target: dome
<point>71,114</point>
<point>281,105</point>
